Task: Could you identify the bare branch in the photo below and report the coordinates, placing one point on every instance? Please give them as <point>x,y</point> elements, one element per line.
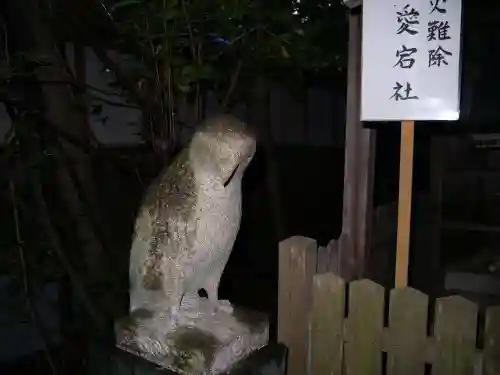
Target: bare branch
<point>112,102</point>
<point>96,97</point>
<point>124,80</point>
<point>49,229</point>
<point>190,30</point>
<point>234,81</point>
<point>76,84</point>
<point>29,303</point>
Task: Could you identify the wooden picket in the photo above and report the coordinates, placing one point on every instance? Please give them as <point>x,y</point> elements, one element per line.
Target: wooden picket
<point>407,325</point>
<point>362,354</point>
<point>297,264</point>
<point>492,342</point>
<point>327,324</point>
<point>346,328</point>
<point>455,335</point>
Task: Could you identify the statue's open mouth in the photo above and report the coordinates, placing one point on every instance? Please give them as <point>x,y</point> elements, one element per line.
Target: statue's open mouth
<point>228,181</point>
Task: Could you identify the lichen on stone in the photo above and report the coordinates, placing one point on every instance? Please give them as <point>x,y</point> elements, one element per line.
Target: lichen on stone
<point>192,347</point>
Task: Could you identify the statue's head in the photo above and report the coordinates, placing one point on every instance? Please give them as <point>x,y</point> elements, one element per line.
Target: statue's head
<point>223,145</point>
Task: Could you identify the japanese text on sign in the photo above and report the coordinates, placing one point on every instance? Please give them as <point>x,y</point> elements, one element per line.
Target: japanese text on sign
<point>411,52</point>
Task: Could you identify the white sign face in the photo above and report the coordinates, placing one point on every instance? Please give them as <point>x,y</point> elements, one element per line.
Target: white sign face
<point>411,60</point>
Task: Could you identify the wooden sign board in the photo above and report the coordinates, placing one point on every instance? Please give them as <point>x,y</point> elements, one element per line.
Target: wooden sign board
<point>411,60</point>
<point>410,72</point>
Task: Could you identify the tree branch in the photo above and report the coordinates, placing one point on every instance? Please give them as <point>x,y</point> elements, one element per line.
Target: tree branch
<point>190,30</point>
<point>234,81</point>
<point>92,212</point>
<point>27,292</point>
<point>50,231</point>
<point>124,80</point>
<point>80,86</point>
<point>112,102</point>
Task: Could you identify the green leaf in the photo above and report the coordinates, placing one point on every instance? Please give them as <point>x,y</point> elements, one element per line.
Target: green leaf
<point>189,72</point>
<point>123,4</point>
<point>207,72</point>
<point>184,88</point>
<point>284,52</point>
<point>9,135</point>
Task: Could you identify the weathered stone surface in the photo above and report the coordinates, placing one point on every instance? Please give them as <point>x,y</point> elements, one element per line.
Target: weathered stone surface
<point>201,341</point>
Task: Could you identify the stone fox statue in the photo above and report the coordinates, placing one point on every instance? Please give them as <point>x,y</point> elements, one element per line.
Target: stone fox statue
<point>187,224</point>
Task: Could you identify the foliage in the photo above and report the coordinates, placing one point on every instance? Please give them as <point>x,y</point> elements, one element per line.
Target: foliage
<point>204,42</point>
<point>171,49</point>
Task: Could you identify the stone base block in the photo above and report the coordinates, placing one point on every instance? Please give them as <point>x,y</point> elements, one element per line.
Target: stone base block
<point>200,342</point>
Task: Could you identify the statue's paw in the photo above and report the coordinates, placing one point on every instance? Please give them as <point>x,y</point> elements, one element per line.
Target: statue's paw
<point>174,311</point>
<point>164,321</point>
<point>226,306</point>
<point>190,302</point>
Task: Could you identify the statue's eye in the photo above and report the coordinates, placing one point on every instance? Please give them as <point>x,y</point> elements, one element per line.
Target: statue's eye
<point>228,181</point>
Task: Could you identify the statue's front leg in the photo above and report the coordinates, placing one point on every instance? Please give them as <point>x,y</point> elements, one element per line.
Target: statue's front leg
<point>212,288</point>
<point>172,288</point>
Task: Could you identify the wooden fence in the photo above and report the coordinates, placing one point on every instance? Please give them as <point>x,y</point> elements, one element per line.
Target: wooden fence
<point>333,256</point>
<point>332,327</point>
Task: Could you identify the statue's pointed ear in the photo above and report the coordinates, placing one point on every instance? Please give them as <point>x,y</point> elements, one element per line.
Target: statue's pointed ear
<point>228,180</point>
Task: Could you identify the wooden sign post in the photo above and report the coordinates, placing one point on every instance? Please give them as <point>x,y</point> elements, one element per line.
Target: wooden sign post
<point>410,70</point>
<point>404,203</point>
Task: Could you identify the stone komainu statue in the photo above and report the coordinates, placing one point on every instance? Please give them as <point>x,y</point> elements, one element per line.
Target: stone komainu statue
<point>189,219</point>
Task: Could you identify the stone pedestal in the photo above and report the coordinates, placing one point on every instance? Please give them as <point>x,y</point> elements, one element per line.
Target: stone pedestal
<point>201,341</point>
